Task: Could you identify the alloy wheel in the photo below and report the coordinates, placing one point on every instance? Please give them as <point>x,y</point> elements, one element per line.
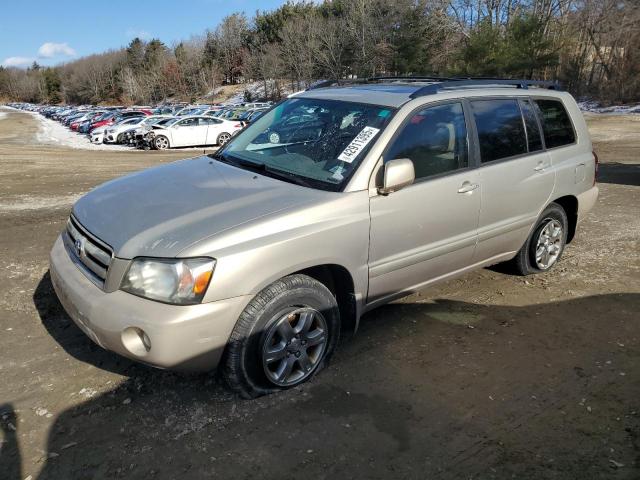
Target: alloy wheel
<point>294,346</point>
<point>223,138</point>
<point>549,244</point>
<point>162,143</point>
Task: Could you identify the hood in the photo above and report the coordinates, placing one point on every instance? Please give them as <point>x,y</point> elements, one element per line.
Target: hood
<point>163,210</point>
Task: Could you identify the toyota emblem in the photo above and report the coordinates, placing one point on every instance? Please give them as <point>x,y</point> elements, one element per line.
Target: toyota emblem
<point>79,245</point>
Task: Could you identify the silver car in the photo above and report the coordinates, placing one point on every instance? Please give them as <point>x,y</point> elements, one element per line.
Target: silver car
<point>337,200</point>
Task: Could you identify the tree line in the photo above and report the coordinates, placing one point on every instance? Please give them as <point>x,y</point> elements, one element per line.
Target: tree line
<point>591,46</point>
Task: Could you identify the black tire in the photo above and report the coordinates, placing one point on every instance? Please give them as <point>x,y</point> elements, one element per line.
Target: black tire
<point>242,366</point>
<point>524,263</point>
<point>119,139</point>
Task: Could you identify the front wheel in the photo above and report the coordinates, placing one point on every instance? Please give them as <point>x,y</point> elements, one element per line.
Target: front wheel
<point>283,337</point>
<point>545,244</point>
<point>223,138</point>
<point>161,142</point>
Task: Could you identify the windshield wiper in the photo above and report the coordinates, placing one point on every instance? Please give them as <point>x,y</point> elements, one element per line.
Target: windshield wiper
<point>262,168</point>
<point>274,172</point>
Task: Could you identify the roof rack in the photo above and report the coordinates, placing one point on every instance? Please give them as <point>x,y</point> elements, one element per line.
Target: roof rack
<point>435,84</point>
<point>337,83</point>
<point>437,87</point>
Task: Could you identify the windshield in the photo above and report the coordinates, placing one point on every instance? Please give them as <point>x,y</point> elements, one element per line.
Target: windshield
<point>318,142</point>
<point>104,116</point>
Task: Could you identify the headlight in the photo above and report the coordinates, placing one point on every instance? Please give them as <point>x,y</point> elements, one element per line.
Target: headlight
<point>177,281</point>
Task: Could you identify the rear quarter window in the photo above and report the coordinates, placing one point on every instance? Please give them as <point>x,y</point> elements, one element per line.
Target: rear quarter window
<point>556,123</point>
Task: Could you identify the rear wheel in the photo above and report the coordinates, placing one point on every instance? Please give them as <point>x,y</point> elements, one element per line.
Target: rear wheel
<point>283,337</point>
<point>545,244</point>
<point>161,142</point>
<point>223,138</point>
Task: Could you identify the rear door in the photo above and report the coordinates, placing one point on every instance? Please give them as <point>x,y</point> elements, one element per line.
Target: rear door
<point>428,229</point>
<point>215,128</point>
<point>516,174</point>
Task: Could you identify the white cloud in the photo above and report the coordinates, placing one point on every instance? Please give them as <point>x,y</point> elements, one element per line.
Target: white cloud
<point>141,34</point>
<point>17,61</point>
<point>50,49</point>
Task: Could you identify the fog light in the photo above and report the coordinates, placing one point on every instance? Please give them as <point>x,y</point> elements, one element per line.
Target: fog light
<point>136,341</point>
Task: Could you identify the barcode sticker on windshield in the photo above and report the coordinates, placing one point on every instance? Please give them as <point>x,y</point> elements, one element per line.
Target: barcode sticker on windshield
<point>358,144</point>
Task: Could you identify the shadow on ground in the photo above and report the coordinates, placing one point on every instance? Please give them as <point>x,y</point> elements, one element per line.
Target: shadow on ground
<point>442,389</point>
<point>619,173</point>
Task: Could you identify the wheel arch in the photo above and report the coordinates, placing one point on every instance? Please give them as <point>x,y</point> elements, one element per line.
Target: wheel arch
<point>165,135</point>
<point>569,204</point>
<point>340,282</point>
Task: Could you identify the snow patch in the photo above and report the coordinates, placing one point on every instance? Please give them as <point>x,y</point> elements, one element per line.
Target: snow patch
<point>594,107</point>
<point>257,92</point>
<point>54,133</point>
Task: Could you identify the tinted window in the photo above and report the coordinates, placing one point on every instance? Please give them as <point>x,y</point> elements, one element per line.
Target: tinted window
<point>500,129</point>
<point>533,130</point>
<point>189,122</point>
<point>435,139</point>
<point>556,123</point>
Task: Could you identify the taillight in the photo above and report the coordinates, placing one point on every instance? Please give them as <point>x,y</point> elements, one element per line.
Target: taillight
<point>596,165</point>
<point>238,125</point>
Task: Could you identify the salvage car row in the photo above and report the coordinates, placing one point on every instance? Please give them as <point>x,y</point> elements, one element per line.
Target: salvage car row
<point>160,128</point>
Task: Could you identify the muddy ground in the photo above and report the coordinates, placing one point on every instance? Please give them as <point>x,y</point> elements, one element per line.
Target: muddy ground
<point>488,376</point>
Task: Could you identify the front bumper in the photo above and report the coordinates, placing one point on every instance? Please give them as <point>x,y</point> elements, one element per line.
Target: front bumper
<point>181,337</point>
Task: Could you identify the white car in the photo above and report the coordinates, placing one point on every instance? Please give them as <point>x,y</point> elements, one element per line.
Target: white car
<point>113,133</point>
<point>97,135</point>
<point>141,129</point>
<point>194,131</point>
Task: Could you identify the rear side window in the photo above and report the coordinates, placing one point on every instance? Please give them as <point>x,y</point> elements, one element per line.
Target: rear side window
<point>500,129</point>
<point>533,130</point>
<point>556,124</point>
<point>434,139</point>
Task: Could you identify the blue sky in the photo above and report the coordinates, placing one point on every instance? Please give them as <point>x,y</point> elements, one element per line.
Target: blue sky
<point>54,31</point>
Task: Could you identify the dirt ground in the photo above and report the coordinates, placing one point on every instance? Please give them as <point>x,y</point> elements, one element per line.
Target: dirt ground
<point>489,376</point>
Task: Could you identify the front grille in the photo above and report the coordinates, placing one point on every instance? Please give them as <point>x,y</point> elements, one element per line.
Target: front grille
<point>88,252</point>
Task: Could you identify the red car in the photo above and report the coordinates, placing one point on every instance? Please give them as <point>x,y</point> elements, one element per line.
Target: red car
<point>113,117</point>
<point>74,126</point>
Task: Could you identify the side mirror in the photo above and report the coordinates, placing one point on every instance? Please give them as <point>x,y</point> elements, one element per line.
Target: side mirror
<point>398,174</point>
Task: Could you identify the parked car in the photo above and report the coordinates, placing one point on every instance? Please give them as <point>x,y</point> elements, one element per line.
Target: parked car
<point>255,258</point>
<point>134,136</point>
<point>116,133</point>
<point>145,139</point>
<point>194,131</point>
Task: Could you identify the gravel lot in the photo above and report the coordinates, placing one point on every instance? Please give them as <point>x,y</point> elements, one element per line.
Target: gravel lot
<point>488,376</point>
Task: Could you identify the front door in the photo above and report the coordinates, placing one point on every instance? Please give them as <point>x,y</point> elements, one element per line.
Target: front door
<point>428,229</point>
<point>189,132</point>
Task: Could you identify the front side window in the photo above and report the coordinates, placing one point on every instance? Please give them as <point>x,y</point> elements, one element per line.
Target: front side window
<point>434,139</point>
<point>314,142</point>
<point>189,122</point>
<point>500,129</point>
<point>556,124</point>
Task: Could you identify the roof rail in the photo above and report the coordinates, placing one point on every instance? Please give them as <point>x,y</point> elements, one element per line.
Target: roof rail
<point>412,78</point>
<point>435,84</point>
<point>437,87</point>
<point>337,83</point>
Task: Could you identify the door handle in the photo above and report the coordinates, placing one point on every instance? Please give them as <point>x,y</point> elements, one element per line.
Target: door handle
<point>541,167</point>
<point>468,187</point>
